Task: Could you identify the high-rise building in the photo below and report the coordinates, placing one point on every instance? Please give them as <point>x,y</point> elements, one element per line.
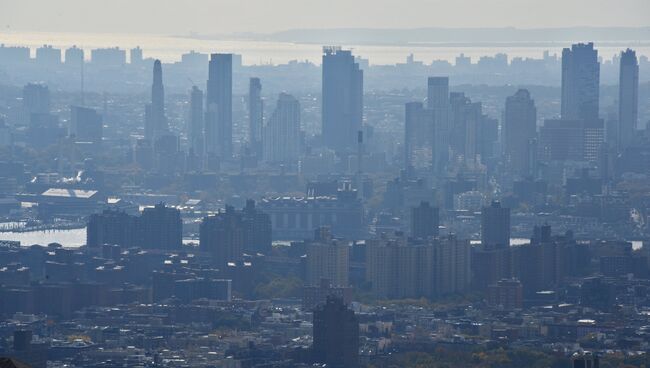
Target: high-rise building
<point>48,56</point>
<point>438,101</point>
<point>424,221</point>
<point>135,56</point>
<point>255,115</point>
<point>427,268</point>
<point>580,82</point>
<point>74,57</point>
<point>219,103</point>
<point>85,124</point>
<point>196,133</point>
<point>342,94</point>
<point>574,140</point>
<point>520,127</point>
<point>336,335</point>
<point>155,120</point>
<point>628,98</point>
<point>506,294</point>
<point>282,131</point>
<point>160,227</point>
<point>419,135</point>
<point>495,226</point>
<point>111,57</point>
<point>328,259</point>
<point>465,123</point>
<point>36,99</point>
<point>227,235</point>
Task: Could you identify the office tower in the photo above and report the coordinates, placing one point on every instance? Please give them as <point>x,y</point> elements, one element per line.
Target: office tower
<point>418,136</point>
<point>342,94</point>
<point>219,105</point>
<point>255,115</point>
<point>628,98</point>
<point>424,221</point>
<point>328,259</point>
<point>464,130</point>
<point>36,99</point>
<point>196,122</point>
<point>85,125</point>
<point>495,226</point>
<point>135,55</point>
<point>155,120</point>
<point>336,335</point>
<point>74,57</point>
<point>580,82</point>
<point>282,131</point>
<point>160,227</point>
<point>438,101</point>
<point>520,126</point>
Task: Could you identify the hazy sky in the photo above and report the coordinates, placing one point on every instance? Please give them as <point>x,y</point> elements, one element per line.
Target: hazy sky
<point>225,16</point>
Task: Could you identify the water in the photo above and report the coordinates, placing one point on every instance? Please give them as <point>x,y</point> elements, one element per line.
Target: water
<point>77,237</point>
<point>169,49</point>
<point>68,238</point>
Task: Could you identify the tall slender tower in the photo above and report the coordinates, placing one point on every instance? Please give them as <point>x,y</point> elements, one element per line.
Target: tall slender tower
<point>196,121</point>
<point>219,106</point>
<point>342,99</point>
<point>255,115</point>
<point>628,98</point>
<point>580,82</point>
<point>155,121</point>
<point>438,102</point>
<point>520,127</point>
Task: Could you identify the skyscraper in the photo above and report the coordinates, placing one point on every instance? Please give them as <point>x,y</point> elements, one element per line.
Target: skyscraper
<point>424,221</point>
<point>495,226</point>
<point>336,335</point>
<point>520,127</point>
<point>255,115</point>
<point>282,132</point>
<point>628,98</point>
<point>580,82</point>
<point>438,101</point>
<point>219,104</point>
<point>419,135</point>
<point>155,120</point>
<point>196,121</point>
<point>342,94</point>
